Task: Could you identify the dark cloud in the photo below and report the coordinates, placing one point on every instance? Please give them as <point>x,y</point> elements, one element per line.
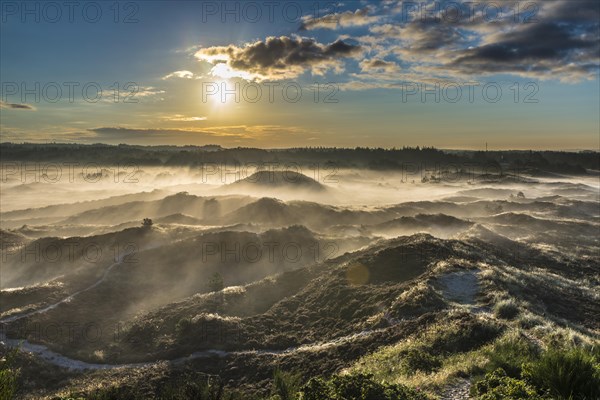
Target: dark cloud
<point>537,48</point>
<point>429,35</point>
<point>153,136</point>
<point>558,39</point>
<point>547,41</point>
<point>281,57</point>
<point>16,106</point>
<point>226,135</point>
<point>573,11</point>
<point>554,39</point>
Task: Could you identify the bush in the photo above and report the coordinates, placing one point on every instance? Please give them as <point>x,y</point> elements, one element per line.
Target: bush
<point>183,327</point>
<point>462,335</point>
<point>147,222</point>
<point>186,387</point>
<point>286,385</point>
<point>8,375</point>
<point>509,353</point>
<point>566,374</point>
<point>356,387</point>
<point>498,386</point>
<point>316,389</point>
<point>507,309</point>
<point>413,360</point>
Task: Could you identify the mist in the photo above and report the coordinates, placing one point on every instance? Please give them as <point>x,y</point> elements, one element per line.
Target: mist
<point>167,251</point>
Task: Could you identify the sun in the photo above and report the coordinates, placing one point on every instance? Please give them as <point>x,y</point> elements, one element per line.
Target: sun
<point>219,93</point>
<point>224,71</point>
<point>225,87</point>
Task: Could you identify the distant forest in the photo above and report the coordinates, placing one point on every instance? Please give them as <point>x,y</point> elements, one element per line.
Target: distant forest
<point>359,157</point>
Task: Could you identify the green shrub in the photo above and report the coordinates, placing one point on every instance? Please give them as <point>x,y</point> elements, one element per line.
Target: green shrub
<point>498,386</point>
<point>183,327</point>
<point>316,389</point>
<point>192,389</point>
<point>566,374</point>
<point>8,375</point>
<point>413,360</point>
<point>463,335</point>
<point>286,385</point>
<point>509,353</point>
<point>356,387</point>
<point>507,309</point>
<point>189,387</point>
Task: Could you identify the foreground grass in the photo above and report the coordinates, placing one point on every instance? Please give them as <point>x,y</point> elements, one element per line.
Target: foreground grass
<point>432,359</point>
<point>511,366</point>
<point>9,374</point>
<point>285,386</point>
<point>501,362</point>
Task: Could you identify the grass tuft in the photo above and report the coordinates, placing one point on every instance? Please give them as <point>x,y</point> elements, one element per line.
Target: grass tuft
<point>507,309</point>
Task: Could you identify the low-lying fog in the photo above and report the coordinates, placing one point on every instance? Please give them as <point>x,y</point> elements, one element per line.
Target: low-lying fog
<point>77,250</point>
<point>34,188</point>
<point>351,208</point>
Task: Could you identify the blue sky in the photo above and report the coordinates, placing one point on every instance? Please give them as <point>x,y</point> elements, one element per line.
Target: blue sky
<point>371,60</point>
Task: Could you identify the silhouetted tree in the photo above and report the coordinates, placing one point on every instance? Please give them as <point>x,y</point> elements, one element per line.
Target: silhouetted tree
<point>147,222</point>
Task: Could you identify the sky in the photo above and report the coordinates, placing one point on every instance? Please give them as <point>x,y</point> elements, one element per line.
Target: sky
<point>275,74</point>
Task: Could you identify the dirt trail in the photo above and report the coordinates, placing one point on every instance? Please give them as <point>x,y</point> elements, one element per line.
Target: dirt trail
<point>458,391</point>
<point>62,361</point>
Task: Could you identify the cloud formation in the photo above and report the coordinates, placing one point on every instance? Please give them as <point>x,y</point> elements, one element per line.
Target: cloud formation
<point>16,106</point>
<point>378,65</point>
<point>279,57</point>
<point>183,118</point>
<point>559,40</point>
<point>344,19</point>
<point>541,50</point>
<point>235,135</point>
<point>179,74</point>
<point>431,40</point>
